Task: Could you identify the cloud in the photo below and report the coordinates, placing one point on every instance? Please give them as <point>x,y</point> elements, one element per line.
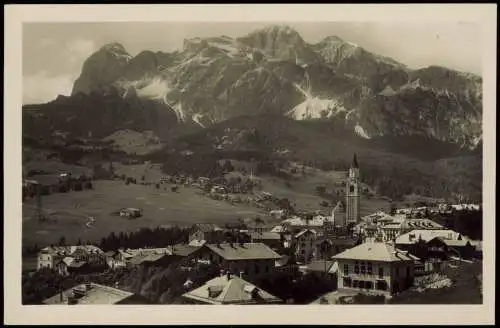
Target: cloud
<point>62,63</point>
<point>42,88</point>
<point>46,42</point>
<point>79,50</point>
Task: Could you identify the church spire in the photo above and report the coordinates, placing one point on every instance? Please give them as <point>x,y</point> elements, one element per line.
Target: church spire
<point>355,161</point>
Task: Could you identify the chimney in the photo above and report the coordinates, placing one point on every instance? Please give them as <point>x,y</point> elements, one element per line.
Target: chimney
<point>88,286</point>
<point>241,274</point>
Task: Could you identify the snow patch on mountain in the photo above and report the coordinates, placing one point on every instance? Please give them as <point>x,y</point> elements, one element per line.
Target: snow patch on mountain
<point>179,112</point>
<point>361,132</point>
<point>314,107</point>
<point>155,89</point>
<point>196,118</point>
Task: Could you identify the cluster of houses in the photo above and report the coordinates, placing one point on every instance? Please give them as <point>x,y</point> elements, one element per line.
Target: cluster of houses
<point>441,208</point>
<point>384,266</point>
<point>46,184</point>
<point>377,254</point>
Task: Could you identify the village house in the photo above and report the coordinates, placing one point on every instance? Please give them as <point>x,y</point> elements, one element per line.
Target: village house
<point>375,268</point>
<point>70,265</point>
<point>271,239</point>
<point>322,268</point>
<point>145,256</point>
<point>287,265</point>
<point>327,247</point>
<point>130,213</point>
<point>256,225</point>
<point>429,246</point>
<point>305,245</point>
<point>229,289</point>
<point>115,259</point>
<point>91,293</point>
<point>252,260</point>
<point>51,256</point>
<point>205,233</point>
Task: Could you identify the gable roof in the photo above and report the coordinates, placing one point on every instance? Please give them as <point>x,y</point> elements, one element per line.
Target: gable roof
<point>234,290</point>
<point>97,294</point>
<point>375,252</point>
<point>303,232</point>
<point>423,224</point>
<point>267,235</point>
<point>184,249</point>
<point>285,260</point>
<point>320,266</point>
<point>244,251</point>
<point>70,250</point>
<point>278,229</point>
<point>456,243</point>
<point>426,236</point>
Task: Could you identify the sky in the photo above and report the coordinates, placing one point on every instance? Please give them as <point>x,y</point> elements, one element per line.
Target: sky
<point>53,53</point>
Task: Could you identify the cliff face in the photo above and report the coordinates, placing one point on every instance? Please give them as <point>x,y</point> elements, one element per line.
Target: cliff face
<point>274,71</point>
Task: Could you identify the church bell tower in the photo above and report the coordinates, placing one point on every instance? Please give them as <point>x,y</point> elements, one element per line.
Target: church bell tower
<point>352,193</point>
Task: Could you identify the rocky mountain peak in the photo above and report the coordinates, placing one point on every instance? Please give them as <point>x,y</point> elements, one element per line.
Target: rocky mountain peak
<point>102,68</point>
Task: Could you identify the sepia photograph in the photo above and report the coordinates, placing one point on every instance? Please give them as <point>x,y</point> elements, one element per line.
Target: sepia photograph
<point>246,162</point>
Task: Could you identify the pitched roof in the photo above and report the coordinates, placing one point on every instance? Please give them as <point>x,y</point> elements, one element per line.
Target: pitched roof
<point>234,290</point>
<point>423,224</point>
<point>184,250</point>
<point>285,260</point>
<point>73,263</point>
<point>244,251</point>
<point>303,232</point>
<point>97,294</point>
<point>456,243</point>
<point>70,250</point>
<point>375,252</point>
<point>267,235</point>
<point>426,235</point>
<point>320,266</point>
<point>148,257</point>
<point>278,229</point>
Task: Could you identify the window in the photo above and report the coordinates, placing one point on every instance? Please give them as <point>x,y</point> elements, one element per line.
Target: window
<point>381,272</point>
<point>361,284</point>
<point>346,269</point>
<point>381,285</point>
<point>351,188</point>
<point>369,268</point>
<point>356,267</point>
<point>347,282</point>
<point>368,285</point>
<point>303,251</point>
<point>363,269</point>
<point>355,283</point>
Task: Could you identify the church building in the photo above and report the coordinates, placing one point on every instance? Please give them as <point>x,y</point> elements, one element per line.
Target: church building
<point>353,194</point>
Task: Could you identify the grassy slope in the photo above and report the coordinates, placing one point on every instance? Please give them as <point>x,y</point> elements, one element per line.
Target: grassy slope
<point>160,208</point>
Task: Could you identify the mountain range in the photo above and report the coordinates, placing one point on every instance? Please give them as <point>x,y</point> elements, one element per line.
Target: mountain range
<point>333,89</point>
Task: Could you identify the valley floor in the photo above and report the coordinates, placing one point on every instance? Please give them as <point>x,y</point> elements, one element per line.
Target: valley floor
<point>87,215</point>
